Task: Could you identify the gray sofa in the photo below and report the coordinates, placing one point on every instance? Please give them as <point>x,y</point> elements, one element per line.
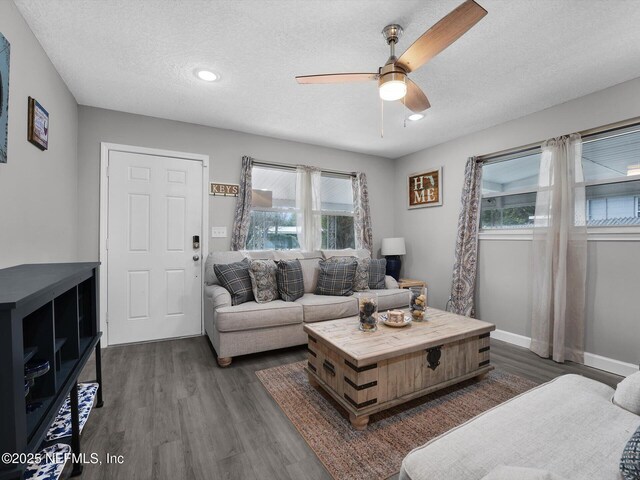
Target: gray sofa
<point>569,427</point>
<point>256,327</point>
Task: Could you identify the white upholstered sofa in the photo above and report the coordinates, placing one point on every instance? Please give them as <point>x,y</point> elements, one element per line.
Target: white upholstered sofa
<point>256,327</point>
<point>569,427</point>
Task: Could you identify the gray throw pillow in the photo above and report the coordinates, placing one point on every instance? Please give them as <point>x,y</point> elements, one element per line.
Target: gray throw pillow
<point>235,278</point>
<point>336,278</point>
<point>290,280</point>
<point>361,279</point>
<point>377,272</point>
<point>627,393</point>
<point>264,281</point>
<point>630,461</point>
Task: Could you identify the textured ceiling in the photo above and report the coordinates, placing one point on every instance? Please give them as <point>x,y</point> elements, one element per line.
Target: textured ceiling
<point>524,56</point>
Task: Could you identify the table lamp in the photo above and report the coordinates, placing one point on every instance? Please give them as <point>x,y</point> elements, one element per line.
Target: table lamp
<point>392,248</point>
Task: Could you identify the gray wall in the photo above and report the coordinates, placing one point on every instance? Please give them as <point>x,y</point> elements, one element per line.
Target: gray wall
<point>38,190</point>
<point>225,149</point>
<point>613,307</point>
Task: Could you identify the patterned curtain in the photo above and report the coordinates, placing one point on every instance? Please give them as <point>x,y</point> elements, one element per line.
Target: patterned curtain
<point>242,215</point>
<point>466,255</point>
<point>361,213</point>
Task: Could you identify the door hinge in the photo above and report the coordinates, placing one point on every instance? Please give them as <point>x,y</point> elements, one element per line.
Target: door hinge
<point>106,317</point>
<point>107,244</point>
<point>108,170</point>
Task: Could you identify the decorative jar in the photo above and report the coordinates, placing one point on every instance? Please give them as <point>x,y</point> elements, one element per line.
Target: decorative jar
<point>368,314</point>
<point>418,303</point>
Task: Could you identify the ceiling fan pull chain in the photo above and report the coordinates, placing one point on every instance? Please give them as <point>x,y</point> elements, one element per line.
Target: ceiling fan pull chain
<point>381,118</point>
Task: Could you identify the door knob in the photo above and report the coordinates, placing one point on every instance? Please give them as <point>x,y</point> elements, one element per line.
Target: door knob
<point>196,257</point>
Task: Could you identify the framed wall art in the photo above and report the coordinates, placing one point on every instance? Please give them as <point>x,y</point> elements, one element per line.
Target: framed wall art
<point>38,128</point>
<point>425,189</point>
<point>5,51</point>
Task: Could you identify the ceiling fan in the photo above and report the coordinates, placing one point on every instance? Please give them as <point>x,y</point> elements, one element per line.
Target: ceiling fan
<point>393,82</point>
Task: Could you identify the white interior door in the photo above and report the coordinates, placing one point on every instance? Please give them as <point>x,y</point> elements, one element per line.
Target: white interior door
<point>153,280</point>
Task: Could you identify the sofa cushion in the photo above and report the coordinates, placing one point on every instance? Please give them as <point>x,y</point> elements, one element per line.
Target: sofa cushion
<point>630,461</point>
<point>568,425</point>
<point>346,252</point>
<point>310,272</point>
<point>361,279</point>
<point>290,280</point>
<point>235,278</point>
<point>390,282</point>
<point>627,393</point>
<point>393,298</point>
<point>377,273</point>
<point>219,258</point>
<point>503,472</point>
<point>288,254</point>
<point>336,278</point>
<point>264,280</point>
<point>259,254</point>
<point>252,315</point>
<point>317,308</point>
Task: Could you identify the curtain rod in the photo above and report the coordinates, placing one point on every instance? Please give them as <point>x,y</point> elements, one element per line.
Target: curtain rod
<point>289,166</point>
<point>584,134</point>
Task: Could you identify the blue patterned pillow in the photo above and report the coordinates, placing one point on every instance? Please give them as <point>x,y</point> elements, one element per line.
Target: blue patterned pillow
<point>630,461</point>
<point>377,272</point>
<point>235,278</point>
<point>290,280</point>
<point>336,278</point>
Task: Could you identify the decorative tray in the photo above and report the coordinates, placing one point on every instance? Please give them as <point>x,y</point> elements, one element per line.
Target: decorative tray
<point>407,321</point>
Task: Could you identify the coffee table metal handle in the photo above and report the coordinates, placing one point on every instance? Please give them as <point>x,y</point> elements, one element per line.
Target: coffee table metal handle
<point>328,366</point>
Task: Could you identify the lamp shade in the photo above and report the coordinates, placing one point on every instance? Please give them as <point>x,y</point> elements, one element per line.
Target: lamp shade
<point>393,246</point>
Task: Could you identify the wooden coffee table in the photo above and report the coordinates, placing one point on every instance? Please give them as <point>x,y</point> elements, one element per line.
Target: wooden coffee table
<point>367,372</point>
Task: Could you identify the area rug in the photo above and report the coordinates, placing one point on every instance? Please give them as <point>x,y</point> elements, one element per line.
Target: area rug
<point>377,452</point>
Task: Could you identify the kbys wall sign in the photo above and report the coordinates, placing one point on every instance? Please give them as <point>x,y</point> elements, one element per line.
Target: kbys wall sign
<point>425,189</point>
<point>224,189</point>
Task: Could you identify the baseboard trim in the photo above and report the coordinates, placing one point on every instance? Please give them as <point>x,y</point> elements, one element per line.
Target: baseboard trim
<point>512,338</point>
<point>609,364</point>
<point>590,359</point>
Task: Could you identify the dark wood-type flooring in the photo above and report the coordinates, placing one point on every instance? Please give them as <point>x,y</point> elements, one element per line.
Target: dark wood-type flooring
<point>172,413</point>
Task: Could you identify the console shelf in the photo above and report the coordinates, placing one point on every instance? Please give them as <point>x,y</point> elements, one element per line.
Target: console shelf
<point>48,312</point>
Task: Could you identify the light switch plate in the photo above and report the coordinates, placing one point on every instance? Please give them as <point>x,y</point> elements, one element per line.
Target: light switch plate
<point>218,232</point>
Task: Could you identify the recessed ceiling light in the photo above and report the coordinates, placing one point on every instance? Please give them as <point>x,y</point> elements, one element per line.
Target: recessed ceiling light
<point>207,75</point>
<point>416,116</point>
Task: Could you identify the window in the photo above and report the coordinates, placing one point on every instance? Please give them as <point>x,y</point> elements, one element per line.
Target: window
<point>336,198</point>
<point>611,167</point>
<point>273,214</point>
<point>273,222</point>
<point>611,164</point>
<point>509,191</point>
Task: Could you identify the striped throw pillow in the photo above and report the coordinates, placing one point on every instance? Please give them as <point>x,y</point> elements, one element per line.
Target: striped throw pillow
<point>290,280</point>
<point>235,278</point>
<point>377,272</point>
<point>336,278</point>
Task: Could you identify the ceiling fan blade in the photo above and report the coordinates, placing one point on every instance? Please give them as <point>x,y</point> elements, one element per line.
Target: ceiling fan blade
<point>441,35</point>
<point>337,78</point>
<point>415,99</point>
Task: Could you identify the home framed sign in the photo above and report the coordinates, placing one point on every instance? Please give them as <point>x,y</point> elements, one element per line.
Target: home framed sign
<point>38,127</point>
<point>425,189</point>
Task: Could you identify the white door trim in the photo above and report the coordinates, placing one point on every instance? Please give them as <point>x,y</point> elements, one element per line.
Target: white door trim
<point>105,148</point>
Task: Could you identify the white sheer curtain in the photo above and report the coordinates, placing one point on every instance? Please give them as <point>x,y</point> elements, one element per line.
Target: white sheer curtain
<point>560,253</point>
<point>309,220</point>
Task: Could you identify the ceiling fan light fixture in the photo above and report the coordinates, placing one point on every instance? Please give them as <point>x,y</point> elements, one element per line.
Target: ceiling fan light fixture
<point>415,117</point>
<point>207,75</point>
<point>392,86</point>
